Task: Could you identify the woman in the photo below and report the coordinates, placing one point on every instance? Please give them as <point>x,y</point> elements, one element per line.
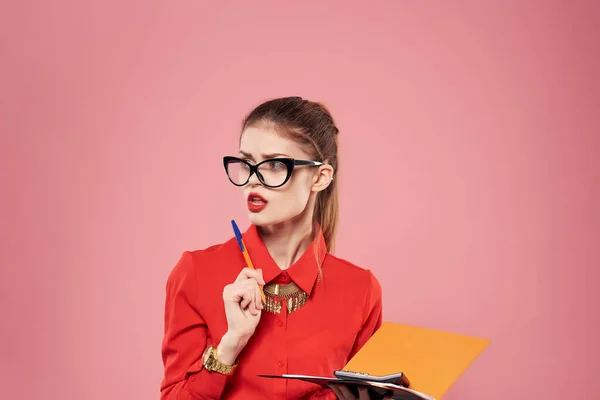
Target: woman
<point>319,309</point>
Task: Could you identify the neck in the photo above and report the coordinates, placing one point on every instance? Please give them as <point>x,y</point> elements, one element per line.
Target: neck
<point>286,242</point>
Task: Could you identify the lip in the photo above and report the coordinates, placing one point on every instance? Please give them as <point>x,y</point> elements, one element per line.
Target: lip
<point>256,207</point>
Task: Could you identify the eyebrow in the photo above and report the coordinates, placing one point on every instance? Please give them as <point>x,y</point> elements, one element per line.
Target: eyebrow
<point>263,155</point>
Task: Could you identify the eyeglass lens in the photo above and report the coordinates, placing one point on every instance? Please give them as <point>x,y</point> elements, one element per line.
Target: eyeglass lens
<point>273,173</point>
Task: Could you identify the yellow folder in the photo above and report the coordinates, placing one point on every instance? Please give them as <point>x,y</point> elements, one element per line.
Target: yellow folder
<point>431,359</point>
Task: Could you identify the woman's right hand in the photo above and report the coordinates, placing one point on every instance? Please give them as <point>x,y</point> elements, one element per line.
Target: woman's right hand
<point>243,308</point>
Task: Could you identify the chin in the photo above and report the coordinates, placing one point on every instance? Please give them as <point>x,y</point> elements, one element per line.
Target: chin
<point>264,218</point>
<point>260,219</point>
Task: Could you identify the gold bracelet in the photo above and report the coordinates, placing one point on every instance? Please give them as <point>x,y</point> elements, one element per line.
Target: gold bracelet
<point>211,363</point>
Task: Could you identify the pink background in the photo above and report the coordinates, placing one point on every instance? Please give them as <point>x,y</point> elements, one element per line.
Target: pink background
<point>470,174</point>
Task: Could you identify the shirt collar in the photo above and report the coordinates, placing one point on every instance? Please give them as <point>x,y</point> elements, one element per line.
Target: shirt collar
<point>303,272</point>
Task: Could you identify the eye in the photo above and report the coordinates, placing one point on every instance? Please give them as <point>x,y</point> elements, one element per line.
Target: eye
<point>276,165</point>
<point>244,164</point>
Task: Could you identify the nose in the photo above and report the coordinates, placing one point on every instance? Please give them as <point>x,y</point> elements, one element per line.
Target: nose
<point>253,181</point>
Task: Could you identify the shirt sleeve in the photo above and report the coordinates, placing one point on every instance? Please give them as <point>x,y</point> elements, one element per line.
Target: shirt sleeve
<point>373,314</point>
<point>185,339</point>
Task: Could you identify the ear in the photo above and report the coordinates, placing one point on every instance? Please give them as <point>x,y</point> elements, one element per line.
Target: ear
<point>323,178</point>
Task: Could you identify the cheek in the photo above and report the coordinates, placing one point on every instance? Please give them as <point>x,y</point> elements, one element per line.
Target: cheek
<point>298,191</point>
<point>298,197</point>
<point>292,201</point>
<point>284,204</point>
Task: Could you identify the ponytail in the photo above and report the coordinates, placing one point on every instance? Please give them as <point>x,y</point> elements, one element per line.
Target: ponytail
<point>327,214</point>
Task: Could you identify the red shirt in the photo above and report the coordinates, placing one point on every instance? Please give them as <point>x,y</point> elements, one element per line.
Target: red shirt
<point>342,313</point>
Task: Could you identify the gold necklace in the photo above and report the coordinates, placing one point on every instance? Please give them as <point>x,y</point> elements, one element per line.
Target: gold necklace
<point>291,293</point>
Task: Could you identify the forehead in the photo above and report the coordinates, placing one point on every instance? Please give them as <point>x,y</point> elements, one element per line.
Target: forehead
<point>258,141</point>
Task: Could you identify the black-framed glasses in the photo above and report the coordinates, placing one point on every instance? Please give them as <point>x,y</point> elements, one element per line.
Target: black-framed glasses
<point>273,173</point>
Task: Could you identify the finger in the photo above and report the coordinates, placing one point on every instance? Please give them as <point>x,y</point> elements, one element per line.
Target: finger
<point>254,290</point>
<point>252,304</point>
<point>347,392</point>
<point>337,392</point>
<point>344,392</point>
<point>244,296</point>
<point>258,297</point>
<point>248,273</point>
<point>363,393</point>
<point>252,287</point>
<point>245,301</point>
<point>237,292</point>
<point>249,302</point>
<point>262,278</point>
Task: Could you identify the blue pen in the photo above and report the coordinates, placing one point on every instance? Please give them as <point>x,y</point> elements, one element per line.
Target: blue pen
<point>238,236</point>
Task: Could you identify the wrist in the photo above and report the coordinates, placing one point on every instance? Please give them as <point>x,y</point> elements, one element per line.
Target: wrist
<point>230,346</point>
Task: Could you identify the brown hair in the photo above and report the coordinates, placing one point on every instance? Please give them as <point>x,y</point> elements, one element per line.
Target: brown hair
<point>312,126</point>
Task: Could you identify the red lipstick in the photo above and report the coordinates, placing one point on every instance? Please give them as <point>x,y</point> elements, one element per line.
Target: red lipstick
<point>256,203</point>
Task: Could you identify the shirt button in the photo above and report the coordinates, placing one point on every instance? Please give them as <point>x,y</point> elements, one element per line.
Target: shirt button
<point>280,364</point>
<point>279,324</point>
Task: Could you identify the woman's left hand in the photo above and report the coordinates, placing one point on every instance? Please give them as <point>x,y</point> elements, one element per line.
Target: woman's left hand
<point>343,393</point>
